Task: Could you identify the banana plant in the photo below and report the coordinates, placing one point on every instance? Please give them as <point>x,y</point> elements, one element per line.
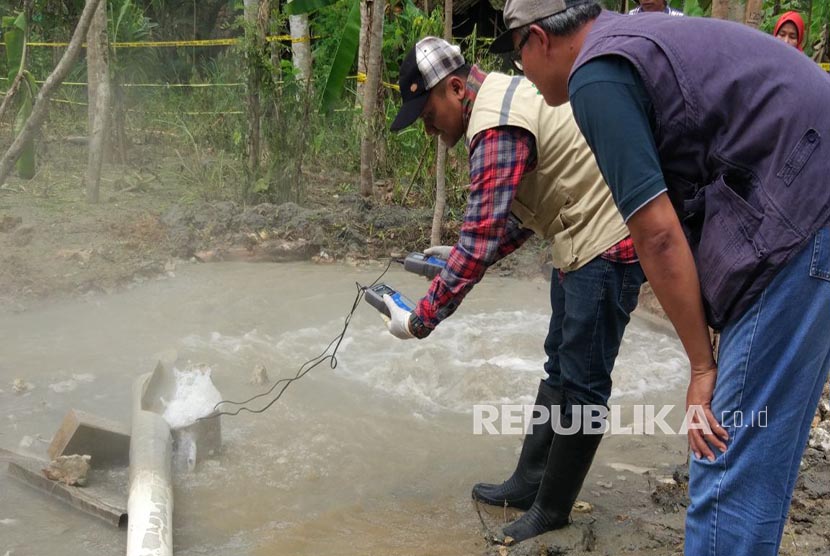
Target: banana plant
<point>14,32</point>
<point>346,48</point>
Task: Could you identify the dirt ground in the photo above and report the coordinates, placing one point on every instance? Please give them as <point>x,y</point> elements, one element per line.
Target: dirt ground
<point>53,244</point>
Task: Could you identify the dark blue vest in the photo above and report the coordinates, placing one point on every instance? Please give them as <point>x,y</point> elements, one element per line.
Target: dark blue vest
<point>741,119</point>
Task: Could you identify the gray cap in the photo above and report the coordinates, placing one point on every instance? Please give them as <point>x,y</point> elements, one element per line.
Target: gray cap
<point>427,63</point>
<point>518,13</point>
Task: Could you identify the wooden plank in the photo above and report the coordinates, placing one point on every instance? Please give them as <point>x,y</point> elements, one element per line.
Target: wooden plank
<point>97,501</point>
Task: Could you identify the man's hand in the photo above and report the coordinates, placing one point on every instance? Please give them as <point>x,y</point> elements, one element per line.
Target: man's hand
<point>704,429</point>
<point>398,323</point>
<point>440,251</point>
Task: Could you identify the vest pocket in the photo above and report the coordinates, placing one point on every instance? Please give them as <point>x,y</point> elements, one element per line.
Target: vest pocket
<point>808,143</point>
<point>820,265</point>
<point>729,247</point>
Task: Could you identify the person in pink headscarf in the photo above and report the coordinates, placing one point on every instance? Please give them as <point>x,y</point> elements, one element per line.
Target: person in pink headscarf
<point>790,29</point>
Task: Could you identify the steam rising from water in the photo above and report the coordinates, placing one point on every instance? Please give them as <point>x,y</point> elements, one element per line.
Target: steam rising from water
<point>494,357</point>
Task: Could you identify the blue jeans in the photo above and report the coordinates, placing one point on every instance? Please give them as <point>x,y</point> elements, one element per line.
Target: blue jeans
<point>773,359</point>
<point>590,307</point>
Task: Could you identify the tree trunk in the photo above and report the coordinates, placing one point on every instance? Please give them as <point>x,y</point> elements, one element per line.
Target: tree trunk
<point>98,112</point>
<point>39,110</point>
<point>300,45</point>
<point>440,193</point>
<point>254,110</point>
<point>370,97</point>
<point>441,155</point>
<point>736,11</point>
<point>448,20</point>
<point>363,45</point>
<point>808,24</point>
<point>821,46</point>
<point>119,122</point>
<point>720,9</point>
<point>754,13</point>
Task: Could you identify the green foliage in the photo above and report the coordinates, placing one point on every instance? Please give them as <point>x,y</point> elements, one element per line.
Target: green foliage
<point>344,58</point>
<point>14,32</point>
<point>813,26</point>
<point>695,8</point>
<point>403,31</point>
<point>305,6</point>
<point>205,128</point>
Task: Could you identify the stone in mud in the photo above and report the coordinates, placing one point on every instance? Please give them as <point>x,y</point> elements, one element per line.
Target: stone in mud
<point>323,258</point>
<point>582,507</point>
<point>259,376</point>
<point>670,495</point>
<point>820,437</point>
<point>20,386</point>
<point>70,470</point>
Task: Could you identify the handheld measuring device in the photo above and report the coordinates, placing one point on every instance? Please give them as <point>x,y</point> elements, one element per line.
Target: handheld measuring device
<point>374,296</point>
<point>424,265</point>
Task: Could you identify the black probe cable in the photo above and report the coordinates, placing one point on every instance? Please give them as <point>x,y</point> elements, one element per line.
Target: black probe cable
<point>303,370</point>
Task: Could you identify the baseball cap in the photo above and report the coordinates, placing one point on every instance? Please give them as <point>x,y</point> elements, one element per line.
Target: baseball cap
<point>518,13</point>
<point>429,61</point>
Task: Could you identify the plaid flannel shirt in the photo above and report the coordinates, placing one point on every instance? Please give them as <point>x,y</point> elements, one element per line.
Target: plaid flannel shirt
<point>499,159</point>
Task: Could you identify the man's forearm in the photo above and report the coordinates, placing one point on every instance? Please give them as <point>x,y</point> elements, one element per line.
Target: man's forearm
<point>668,263</point>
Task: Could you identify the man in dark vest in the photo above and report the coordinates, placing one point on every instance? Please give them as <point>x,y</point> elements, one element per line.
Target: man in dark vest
<point>711,136</point>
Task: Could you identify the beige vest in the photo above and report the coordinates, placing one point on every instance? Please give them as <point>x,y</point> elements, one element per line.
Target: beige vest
<point>565,199</point>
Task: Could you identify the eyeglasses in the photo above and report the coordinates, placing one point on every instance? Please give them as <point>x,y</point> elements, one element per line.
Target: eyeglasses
<point>516,55</point>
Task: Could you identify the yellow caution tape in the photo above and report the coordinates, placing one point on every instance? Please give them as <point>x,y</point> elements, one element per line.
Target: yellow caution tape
<point>75,103</point>
<point>825,66</point>
<point>164,44</point>
<point>162,85</point>
<point>65,101</point>
<point>361,78</point>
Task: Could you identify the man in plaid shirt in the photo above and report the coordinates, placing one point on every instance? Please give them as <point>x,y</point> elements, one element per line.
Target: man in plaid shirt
<point>530,172</point>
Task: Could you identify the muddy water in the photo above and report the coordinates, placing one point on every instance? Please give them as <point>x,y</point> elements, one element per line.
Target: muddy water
<point>376,456</point>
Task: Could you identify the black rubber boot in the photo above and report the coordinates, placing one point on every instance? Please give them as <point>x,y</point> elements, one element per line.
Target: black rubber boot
<point>568,463</point>
<point>519,491</point>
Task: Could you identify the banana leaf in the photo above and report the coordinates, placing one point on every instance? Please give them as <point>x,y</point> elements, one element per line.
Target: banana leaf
<point>26,163</point>
<point>343,59</point>
<point>14,30</point>
<point>14,33</point>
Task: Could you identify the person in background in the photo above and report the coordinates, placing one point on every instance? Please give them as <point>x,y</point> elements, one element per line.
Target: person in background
<point>719,166</point>
<point>655,6</point>
<point>530,172</point>
<point>790,29</point>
